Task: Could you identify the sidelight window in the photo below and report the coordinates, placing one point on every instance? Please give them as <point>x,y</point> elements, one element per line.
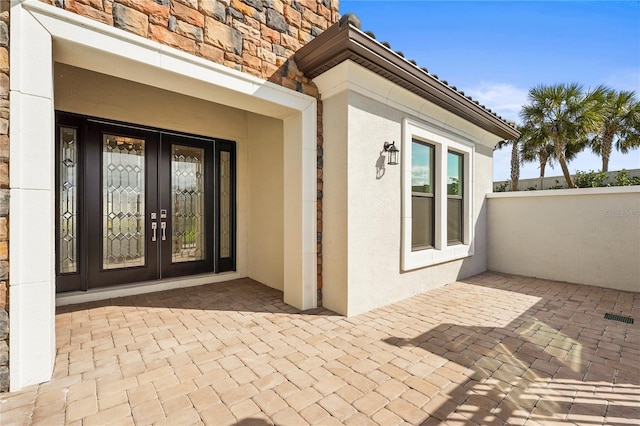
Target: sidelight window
<point>68,200</point>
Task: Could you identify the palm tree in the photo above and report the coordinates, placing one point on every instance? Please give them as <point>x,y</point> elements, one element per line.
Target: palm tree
<point>535,151</point>
<point>545,155</point>
<point>515,158</point>
<point>515,164</point>
<point>620,123</point>
<point>564,115</point>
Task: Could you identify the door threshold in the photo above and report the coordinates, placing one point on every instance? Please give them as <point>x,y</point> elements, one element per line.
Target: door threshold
<point>132,289</point>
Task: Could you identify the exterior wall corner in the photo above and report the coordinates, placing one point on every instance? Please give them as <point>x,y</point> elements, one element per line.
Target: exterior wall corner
<point>4,195</point>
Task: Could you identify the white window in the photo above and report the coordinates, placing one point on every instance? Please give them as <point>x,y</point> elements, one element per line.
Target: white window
<point>422,195</point>
<point>455,197</point>
<point>436,196</point>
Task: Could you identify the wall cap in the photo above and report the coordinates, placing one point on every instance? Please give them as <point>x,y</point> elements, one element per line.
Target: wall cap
<point>609,190</point>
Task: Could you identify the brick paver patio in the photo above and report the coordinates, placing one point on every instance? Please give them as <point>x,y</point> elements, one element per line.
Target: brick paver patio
<point>492,349</point>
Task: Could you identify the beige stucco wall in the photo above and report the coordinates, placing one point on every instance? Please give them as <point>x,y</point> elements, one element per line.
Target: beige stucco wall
<point>585,236</point>
<point>85,92</point>
<point>259,150</point>
<point>266,200</point>
<point>362,210</point>
<point>335,257</point>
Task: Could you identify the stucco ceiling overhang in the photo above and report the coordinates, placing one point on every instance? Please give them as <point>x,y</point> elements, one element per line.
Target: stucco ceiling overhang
<point>344,41</point>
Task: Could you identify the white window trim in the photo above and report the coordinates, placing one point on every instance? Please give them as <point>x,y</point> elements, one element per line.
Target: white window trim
<point>443,142</point>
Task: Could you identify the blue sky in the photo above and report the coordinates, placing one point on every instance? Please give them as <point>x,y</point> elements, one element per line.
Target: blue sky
<point>496,51</point>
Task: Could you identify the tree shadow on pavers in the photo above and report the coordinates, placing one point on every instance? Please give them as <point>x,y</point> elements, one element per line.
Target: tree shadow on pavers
<point>253,422</point>
<point>558,361</point>
<point>241,295</point>
<point>505,377</point>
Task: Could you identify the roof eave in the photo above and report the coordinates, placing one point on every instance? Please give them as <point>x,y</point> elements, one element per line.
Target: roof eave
<point>338,44</point>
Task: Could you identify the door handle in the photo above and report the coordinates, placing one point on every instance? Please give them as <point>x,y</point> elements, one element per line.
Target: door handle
<point>163,225</point>
<point>154,226</point>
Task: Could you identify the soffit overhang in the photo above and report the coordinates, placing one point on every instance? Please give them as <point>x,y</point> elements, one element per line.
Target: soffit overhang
<point>343,41</point>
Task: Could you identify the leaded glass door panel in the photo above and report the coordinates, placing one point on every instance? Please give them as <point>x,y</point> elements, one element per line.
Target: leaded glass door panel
<point>123,202</point>
<point>187,205</point>
<point>122,198</point>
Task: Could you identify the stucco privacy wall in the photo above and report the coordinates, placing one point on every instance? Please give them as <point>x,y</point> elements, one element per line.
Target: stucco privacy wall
<point>259,149</point>
<point>586,236</point>
<point>362,194</point>
<point>45,34</point>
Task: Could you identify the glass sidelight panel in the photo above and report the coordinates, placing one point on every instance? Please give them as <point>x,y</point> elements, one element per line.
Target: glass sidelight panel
<point>123,198</point>
<point>188,195</point>
<point>68,198</point>
<point>225,204</point>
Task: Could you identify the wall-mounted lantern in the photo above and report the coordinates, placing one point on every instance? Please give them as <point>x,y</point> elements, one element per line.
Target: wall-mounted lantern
<point>393,153</point>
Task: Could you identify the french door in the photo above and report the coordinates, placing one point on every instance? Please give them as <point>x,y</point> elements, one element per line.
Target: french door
<point>138,204</point>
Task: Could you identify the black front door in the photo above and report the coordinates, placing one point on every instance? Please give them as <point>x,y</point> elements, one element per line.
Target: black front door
<point>138,204</point>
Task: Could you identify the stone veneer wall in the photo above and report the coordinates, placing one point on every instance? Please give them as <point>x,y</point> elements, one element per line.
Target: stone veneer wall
<point>4,196</point>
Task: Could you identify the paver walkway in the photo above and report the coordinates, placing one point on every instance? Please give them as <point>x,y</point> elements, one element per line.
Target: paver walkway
<point>492,349</point>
